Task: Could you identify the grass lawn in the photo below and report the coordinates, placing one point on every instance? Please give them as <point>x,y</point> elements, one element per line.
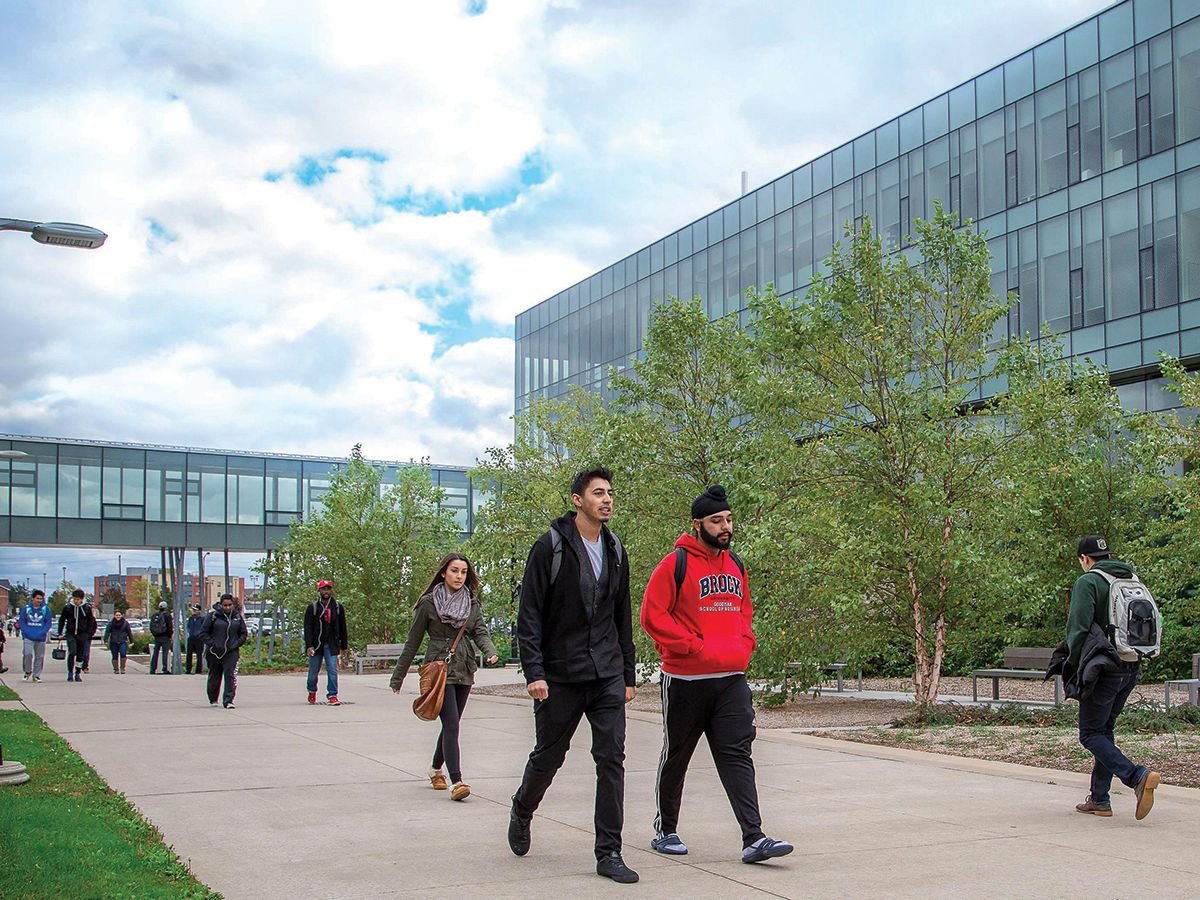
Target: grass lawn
<point>67,834</point>
<point>7,693</point>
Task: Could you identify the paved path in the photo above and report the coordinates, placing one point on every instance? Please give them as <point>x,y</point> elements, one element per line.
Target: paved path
<point>280,799</point>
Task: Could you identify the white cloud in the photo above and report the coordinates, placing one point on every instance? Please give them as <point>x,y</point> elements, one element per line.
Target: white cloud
<point>230,310</point>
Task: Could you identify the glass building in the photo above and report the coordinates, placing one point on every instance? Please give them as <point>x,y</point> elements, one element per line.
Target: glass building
<point>98,494</point>
<point>1079,159</point>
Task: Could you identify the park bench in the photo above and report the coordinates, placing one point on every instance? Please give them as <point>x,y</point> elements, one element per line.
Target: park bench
<point>377,653</point>
<point>835,669</point>
<point>1192,684</point>
<point>1019,662</point>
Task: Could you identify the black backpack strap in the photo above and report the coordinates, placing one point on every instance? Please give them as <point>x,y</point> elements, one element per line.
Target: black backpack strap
<point>556,552</point>
<point>741,566</point>
<point>680,569</point>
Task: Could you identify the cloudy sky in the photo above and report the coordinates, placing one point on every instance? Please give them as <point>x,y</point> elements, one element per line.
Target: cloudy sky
<point>323,217</point>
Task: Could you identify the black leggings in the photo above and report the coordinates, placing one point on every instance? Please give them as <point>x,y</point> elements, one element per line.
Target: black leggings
<point>446,750</point>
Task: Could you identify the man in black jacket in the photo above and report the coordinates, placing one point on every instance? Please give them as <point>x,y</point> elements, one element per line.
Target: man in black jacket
<point>324,638</point>
<point>1099,708</point>
<point>224,633</point>
<point>77,623</point>
<point>574,627</point>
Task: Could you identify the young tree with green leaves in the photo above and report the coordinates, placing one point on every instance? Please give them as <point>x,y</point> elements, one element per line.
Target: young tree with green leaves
<point>377,543</point>
<point>873,375</point>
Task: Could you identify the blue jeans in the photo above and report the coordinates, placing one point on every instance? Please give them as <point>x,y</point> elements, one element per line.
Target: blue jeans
<point>329,655</point>
<point>1097,719</point>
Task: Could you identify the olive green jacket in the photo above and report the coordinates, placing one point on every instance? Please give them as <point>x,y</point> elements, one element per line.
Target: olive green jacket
<point>463,664</point>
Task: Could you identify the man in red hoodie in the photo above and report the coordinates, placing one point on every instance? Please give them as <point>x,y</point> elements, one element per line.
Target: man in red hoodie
<point>697,609</point>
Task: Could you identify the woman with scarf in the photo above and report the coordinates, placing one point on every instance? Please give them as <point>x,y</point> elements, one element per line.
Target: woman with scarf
<point>449,603</point>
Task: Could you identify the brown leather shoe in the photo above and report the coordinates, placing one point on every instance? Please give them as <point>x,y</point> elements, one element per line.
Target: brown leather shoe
<point>438,781</point>
<point>460,791</point>
<point>1144,791</point>
<point>1093,809</point>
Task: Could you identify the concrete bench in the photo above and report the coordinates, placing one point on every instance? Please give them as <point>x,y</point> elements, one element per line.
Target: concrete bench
<point>377,653</point>
<point>1019,662</point>
<point>835,669</point>
<point>1193,689</point>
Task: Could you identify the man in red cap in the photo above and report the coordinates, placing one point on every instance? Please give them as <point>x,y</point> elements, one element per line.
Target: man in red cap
<point>324,638</point>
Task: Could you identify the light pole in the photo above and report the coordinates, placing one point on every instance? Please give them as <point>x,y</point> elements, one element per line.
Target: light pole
<point>62,234</point>
<point>13,454</point>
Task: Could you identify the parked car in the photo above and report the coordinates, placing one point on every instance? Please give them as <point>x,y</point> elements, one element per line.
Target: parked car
<point>137,626</point>
<point>101,624</point>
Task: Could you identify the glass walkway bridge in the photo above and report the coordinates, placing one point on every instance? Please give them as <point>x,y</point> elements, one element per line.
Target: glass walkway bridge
<point>58,492</point>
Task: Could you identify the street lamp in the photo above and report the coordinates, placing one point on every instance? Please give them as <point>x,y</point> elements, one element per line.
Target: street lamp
<point>13,454</point>
<point>64,234</point>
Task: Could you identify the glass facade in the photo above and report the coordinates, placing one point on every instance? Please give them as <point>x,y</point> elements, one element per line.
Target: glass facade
<point>1079,159</point>
<point>110,495</point>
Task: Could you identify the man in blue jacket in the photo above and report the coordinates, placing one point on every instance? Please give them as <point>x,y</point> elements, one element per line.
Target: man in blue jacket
<point>35,620</point>
<point>1098,710</point>
<point>195,640</point>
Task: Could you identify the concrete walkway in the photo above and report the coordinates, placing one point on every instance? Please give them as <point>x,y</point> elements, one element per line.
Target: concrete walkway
<point>279,799</point>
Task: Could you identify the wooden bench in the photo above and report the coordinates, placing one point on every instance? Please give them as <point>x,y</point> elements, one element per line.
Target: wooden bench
<point>377,653</point>
<point>835,669</point>
<point>1019,662</point>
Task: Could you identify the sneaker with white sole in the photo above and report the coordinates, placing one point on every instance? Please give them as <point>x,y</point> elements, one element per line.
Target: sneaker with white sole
<point>766,848</point>
<point>668,844</point>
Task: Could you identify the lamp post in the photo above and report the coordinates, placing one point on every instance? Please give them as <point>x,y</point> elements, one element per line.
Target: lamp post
<point>13,454</point>
<point>62,234</point>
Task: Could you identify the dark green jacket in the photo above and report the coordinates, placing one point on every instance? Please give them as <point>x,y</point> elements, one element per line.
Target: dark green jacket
<point>463,664</point>
<point>1089,603</point>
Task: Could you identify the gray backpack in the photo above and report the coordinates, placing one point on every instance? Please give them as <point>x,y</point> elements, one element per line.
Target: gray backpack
<point>1135,624</point>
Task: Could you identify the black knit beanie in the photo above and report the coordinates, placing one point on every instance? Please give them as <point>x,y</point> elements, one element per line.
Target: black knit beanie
<point>711,501</point>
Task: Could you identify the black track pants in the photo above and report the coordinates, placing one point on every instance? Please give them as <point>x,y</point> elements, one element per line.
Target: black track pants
<point>721,710</point>
<point>222,667</point>
<point>555,720</point>
<point>446,752</point>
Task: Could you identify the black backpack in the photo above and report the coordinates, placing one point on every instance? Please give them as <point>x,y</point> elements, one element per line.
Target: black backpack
<point>158,624</point>
<point>556,552</point>
<point>681,567</point>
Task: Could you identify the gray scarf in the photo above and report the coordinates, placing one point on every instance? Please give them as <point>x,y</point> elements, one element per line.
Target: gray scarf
<point>453,609</point>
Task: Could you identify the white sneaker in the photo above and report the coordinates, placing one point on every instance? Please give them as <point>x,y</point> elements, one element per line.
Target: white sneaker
<point>25,677</point>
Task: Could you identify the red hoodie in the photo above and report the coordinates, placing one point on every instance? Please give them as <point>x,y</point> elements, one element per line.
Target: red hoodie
<point>706,629</point>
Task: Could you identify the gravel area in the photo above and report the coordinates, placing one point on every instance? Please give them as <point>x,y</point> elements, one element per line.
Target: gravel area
<point>1177,756</point>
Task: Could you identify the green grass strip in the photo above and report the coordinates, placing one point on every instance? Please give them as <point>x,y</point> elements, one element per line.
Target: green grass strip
<point>7,693</point>
<point>68,834</point>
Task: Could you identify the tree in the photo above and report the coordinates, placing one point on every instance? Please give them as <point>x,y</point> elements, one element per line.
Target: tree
<point>114,596</point>
<point>143,595</point>
<point>60,596</point>
<point>528,484</point>
<point>873,375</point>
<point>378,543</point>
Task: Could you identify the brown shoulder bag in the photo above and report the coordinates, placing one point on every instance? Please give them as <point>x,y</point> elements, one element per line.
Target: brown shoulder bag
<point>428,705</point>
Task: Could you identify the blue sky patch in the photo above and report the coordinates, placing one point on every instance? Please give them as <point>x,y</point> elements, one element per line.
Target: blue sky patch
<point>476,7</point>
<point>159,235</point>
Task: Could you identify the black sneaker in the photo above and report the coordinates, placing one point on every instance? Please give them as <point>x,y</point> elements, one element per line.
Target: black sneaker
<point>612,866</point>
<point>765,848</point>
<point>518,831</point>
<point>230,705</point>
<point>669,844</point>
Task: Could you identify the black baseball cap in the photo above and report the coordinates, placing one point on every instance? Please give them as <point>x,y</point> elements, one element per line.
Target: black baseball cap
<point>1095,546</point>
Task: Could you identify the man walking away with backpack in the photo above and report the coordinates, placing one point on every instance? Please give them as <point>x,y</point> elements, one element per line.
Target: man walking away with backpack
<point>324,638</point>
<point>697,609</point>
<point>163,629</point>
<point>195,640</point>
<point>575,631</point>
<point>1099,707</point>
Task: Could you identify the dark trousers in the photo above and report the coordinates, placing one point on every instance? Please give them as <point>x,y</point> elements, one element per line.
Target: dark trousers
<point>195,644</point>
<point>722,711</point>
<point>78,652</point>
<point>163,644</point>
<point>446,750</point>
<point>222,667</point>
<point>1098,713</point>
<point>555,720</point>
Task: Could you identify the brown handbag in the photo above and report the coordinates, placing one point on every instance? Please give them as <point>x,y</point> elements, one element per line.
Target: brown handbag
<point>428,705</point>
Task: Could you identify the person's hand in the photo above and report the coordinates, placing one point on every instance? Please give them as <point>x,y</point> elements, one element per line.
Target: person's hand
<point>630,693</point>
<point>538,690</point>
<point>311,651</point>
<point>492,660</point>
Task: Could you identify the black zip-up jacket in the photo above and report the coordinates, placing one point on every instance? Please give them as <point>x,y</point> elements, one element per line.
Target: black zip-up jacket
<point>318,632</point>
<point>560,638</point>
<point>1096,657</point>
<point>118,632</point>
<point>77,620</point>
<point>224,633</point>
